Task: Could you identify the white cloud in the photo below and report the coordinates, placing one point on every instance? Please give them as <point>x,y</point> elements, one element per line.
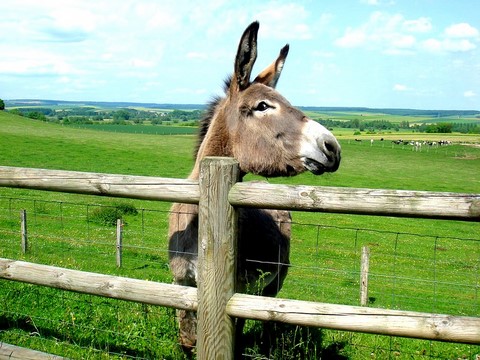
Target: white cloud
<point>72,23</point>
<point>392,34</point>
<point>402,41</point>
<point>455,38</point>
<point>461,30</point>
<point>352,38</point>
<point>22,61</point>
<point>459,45</point>
<point>400,87</point>
<point>420,25</point>
<point>469,94</point>
<point>432,45</point>
<point>155,14</point>
<point>284,21</point>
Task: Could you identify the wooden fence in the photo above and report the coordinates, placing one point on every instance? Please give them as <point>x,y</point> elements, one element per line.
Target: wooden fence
<point>218,194</point>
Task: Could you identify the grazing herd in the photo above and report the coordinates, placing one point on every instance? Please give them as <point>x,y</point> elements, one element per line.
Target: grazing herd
<point>420,143</point>
<point>415,144</point>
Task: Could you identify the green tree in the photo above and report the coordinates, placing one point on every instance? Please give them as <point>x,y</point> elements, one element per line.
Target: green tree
<point>2,105</point>
<point>121,115</point>
<point>36,115</point>
<point>444,128</point>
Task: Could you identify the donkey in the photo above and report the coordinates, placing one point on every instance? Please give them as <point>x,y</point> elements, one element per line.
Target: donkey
<point>267,136</point>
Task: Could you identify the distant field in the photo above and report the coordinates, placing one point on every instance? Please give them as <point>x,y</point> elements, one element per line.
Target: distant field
<point>344,133</point>
<point>370,116</point>
<point>349,134</point>
<point>141,129</point>
<point>422,265</point>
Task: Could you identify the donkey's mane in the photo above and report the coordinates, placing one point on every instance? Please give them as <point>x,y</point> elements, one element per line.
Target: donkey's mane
<point>208,115</point>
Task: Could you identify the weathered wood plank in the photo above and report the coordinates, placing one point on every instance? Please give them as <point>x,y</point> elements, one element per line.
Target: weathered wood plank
<point>119,243</point>
<point>8,352</point>
<point>24,231</point>
<point>147,292</point>
<point>364,266</point>
<point>399,203</point>
<point>359,319</point>
<point>127,186</point>
<point>217,239</point>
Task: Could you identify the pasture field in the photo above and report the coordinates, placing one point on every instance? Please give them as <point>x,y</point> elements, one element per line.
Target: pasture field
<point>141,129</point>
<point>420,265</point>
<point>393,118</point>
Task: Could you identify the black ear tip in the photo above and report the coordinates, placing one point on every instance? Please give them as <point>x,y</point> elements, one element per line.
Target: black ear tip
<point>254,26</point>
<point>284,51</point>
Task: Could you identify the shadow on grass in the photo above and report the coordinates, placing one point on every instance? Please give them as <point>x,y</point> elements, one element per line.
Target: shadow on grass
<point>65,335</point>
<point>272,340</point>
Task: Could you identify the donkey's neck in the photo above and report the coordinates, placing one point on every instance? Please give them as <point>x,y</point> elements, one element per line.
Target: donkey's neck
<point>216,142</point>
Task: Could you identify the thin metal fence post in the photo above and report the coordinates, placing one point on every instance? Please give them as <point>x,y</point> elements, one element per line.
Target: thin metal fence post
<point>119,242</point>
<point>23,217</point>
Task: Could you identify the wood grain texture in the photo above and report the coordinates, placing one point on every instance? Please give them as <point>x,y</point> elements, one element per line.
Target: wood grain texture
<point>11,352</point>
<point>364,266</point>
<point>359,319</point>
<point>216,258</point>
<point>399,203</point>
<point>126,186</point>
<point>147,292</point>
<point>24,231</point>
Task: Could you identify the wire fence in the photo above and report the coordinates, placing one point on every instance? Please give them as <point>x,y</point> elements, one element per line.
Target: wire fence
<point>407,271</point>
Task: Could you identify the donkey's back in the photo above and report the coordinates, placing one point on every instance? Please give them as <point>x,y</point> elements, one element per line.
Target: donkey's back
<point>263,248</point>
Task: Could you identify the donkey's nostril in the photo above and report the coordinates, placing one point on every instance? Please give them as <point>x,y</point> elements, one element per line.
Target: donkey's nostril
<point>330,147</point>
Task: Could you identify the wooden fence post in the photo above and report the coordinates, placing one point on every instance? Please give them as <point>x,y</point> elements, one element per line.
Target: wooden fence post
<point>217,237</point>
<point>23,221</point>
<point>119,242</point>
<point>365,261</point>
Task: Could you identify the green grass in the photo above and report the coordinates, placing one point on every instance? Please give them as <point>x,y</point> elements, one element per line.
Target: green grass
<point>141,129</point>
<point>32,143</point>
<point>416,264</point>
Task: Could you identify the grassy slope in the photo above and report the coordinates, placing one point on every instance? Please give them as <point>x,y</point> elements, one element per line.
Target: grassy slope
<point>29,143</point>
<point>35,144</point>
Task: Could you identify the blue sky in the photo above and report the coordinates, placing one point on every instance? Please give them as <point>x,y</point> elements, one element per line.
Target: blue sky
<point>420,54</point>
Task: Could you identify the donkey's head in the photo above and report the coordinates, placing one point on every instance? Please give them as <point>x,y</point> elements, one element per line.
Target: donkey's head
<point>260,128</point>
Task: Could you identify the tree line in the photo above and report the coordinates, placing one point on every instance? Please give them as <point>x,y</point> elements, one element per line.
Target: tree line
<point>91,115</point>
<point>94,115</point>
<point>384,125</point>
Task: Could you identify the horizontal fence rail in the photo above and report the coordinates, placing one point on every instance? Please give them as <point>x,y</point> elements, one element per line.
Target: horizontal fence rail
<point>147,292</point>
<point>125,186</point>
<point>12,352</point>
<point>398,203</point>
<point>413,324</point>
<point>355,318</point>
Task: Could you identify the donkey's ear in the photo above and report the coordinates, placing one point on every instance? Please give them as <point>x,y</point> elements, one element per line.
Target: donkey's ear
<point>271,74</point>
<point>246,56</point>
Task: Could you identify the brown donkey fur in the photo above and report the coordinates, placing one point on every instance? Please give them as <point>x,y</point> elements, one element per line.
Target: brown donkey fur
<point>257,126</point>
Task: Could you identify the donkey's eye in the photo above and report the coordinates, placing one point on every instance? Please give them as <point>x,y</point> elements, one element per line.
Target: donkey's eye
<point>262,106</point>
